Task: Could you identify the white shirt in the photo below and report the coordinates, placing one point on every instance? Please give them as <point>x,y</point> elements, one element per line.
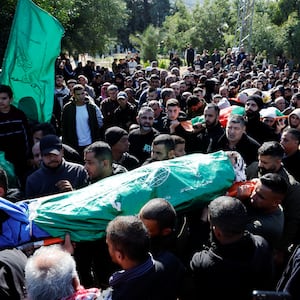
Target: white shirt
<point>82,126</point>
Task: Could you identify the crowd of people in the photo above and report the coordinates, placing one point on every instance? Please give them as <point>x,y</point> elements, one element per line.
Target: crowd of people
<point>110,121</point>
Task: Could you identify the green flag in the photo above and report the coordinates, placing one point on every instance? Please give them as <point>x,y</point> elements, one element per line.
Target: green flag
<point>29,61</point>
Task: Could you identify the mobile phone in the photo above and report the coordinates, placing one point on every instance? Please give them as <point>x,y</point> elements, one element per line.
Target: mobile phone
<point>270,295</point>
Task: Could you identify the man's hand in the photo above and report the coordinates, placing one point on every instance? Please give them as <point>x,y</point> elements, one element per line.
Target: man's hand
<point>64,186</point>
<point>68,245</point>
<point>173,125</point>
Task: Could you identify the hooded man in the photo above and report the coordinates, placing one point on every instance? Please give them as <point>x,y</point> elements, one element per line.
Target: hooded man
<point>294,119</point>
<point>254,127</point>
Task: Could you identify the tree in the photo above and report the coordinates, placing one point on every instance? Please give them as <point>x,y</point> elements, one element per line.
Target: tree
<point>142,13</point>
<point>7,9</point>
<point>147,42</point>
<point>206,26</point>
<point>177,27</point>
<point>89,24</point>
<point>265,34</point>
<point>94,24</point>
<point>212,21</point>
<point>282,9</point>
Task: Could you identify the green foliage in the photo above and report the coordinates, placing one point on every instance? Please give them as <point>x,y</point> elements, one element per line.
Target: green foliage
<point>282,9</point>
<point>142,13</point>
<point>265,35</point>
<point>175,28</point>
<point>94,24</point>
<point>63,10</point>
<point>163,63</point>
<point>147,43</point>
<point>212,21</point>
<point>90,25</point>
<point>7,10</point>
<point>291,36</point>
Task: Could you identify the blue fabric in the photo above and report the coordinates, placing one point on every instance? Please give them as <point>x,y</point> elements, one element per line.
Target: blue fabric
<point>16,229</point>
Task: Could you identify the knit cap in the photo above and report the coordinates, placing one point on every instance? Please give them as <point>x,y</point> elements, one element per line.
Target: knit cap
<point>114,134</point>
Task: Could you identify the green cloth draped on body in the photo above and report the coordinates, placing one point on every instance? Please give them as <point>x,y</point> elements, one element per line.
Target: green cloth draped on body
<point>187,182</point>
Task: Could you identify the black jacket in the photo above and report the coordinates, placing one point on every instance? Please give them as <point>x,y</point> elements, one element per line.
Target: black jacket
<point>207,139</point>
<point>247,147</point>
<point>232,271</point>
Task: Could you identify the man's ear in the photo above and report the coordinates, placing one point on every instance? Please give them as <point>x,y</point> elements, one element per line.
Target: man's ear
<point>120,256</point>
<point>171,154</point>
<point>2,192</point>
<point>106,163</point>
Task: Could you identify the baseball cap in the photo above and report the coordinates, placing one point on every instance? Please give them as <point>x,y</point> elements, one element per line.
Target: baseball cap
<point>112,87</point>
<point>50,143</point>
<point>122,95</point>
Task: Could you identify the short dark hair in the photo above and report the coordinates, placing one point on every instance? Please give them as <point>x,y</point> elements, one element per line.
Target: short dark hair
<point>275,182</point>
<point>154,77</point>
<point>46,128</point>
<point>214,106</point>
<point>165,139</point>
<point>271,148</point>
<point>160,210</point>
<point>166,92</point>
<point>129,235</point>
<point>7,90</point>
<point>172,102</point>
<point>294,132</point>
<point>228,214</point>
<point>177,139</point>
<point>78,87</point>
<point>101,149</point>
<point>192,101</point>
<point>237,119</point>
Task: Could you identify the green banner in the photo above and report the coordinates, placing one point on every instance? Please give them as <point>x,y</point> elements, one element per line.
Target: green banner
<point>29,61</point>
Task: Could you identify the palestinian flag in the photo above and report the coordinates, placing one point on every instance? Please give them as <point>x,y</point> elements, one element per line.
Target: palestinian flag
<point>224,114</point>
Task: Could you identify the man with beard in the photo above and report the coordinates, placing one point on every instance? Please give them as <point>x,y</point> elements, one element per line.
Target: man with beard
<point>254,127</point>
<point>92,258</point>
<point>55,175</point>
<point>265,213</point>
<point>140,139</point>
<point>270,156</point>
<point>211,130</point>
<point>98,162</point>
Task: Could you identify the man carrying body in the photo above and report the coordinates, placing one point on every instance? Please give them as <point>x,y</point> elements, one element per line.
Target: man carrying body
<point>117,138</point>
<point>236,139</point>
<point>141,277</point>
<point>211,131</point>
<point>270,156</point>
<point>93,263</point>
<point>55,175</point>
<point>99,162</point>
